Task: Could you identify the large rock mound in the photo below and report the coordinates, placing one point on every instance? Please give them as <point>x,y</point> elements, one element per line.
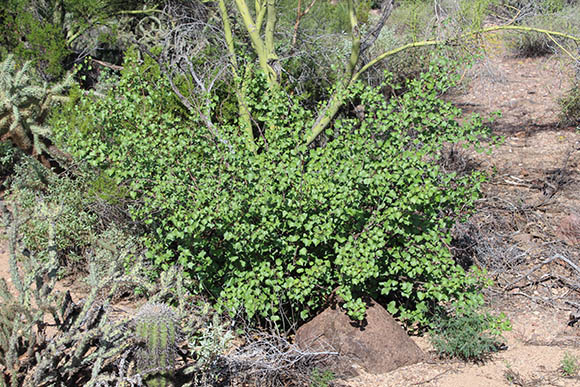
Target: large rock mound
<point>378,344</point>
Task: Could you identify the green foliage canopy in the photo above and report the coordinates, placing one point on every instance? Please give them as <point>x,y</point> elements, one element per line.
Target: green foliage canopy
<point>278,230</point>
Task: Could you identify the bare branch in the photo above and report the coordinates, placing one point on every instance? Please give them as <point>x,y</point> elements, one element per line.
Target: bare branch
<point>374,33</point>
<point>299,15</point>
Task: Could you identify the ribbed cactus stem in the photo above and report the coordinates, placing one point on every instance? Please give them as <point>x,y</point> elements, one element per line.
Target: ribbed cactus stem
<point>157,327</point>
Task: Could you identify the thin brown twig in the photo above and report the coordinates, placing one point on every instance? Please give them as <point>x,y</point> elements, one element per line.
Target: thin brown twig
<point>431,379</point>
<point>299,15</point>
<point>512,285</point>
<point>107,64</point>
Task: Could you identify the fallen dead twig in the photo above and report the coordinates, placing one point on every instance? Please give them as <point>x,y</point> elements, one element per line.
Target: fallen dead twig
<point>514,236</point>
<point>512,285</point>
<point>270,359</point>
<point>432,379</point>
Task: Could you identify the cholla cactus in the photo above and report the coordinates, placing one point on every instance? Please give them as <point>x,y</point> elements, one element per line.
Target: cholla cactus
<point>24,106</point>
<point>157,327</point>
<point>83,339</point>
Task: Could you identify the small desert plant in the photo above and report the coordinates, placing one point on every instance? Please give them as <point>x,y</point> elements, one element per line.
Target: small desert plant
<point>570,105</point>
<point>468,334</point>
<point>513,377</point>
<point>209,342</point>
<point>321,377</point>
<point>157,326</point>
<point>569,365</point>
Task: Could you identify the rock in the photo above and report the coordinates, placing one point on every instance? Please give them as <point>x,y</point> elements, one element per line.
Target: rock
<point>378,344</point>
<point>569,229</point>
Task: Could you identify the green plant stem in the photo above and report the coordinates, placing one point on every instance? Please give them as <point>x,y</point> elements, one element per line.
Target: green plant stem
<point>355,50</point>
<point>229,36</point>
<point>336,100</point>
<point>335,103</point>
<point>244,114</point>
<point>270,27</point>
<point>259,46</point>
<point>260,13</point>
<point>139,11</point>
<point>243,111</point>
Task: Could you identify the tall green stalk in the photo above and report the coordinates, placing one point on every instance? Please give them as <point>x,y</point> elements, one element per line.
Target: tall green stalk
<point>243,112</point>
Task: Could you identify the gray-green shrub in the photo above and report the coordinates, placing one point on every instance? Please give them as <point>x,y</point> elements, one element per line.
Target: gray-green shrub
<point>45,197</point>
<point>549,15</point>
<point>570,106</point>
<point>469,334</point>
<point>88,216</point>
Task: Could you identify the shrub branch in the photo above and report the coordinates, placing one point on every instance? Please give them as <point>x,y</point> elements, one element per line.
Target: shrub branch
<point>336,101</point>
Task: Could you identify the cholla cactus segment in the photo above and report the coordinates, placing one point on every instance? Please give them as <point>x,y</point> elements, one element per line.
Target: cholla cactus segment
<point>24,105</point>
<point>157,325</point>
<point>83,341</point>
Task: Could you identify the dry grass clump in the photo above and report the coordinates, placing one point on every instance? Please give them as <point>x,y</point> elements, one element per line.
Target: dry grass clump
<point>562,18</point>
<point>570,103</point>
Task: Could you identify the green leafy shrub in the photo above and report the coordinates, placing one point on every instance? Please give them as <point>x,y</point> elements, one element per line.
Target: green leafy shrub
<point>469,334</point>
<point>277,231</point>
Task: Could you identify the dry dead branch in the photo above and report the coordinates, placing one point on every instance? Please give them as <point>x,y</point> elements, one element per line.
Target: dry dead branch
<point>269,359</point>
<point>516,235</point>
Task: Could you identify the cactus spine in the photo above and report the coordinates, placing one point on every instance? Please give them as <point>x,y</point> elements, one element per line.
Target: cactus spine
<point>157,327</point>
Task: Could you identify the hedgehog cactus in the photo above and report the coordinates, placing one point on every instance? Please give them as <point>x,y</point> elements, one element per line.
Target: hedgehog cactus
<point>157,327</point>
